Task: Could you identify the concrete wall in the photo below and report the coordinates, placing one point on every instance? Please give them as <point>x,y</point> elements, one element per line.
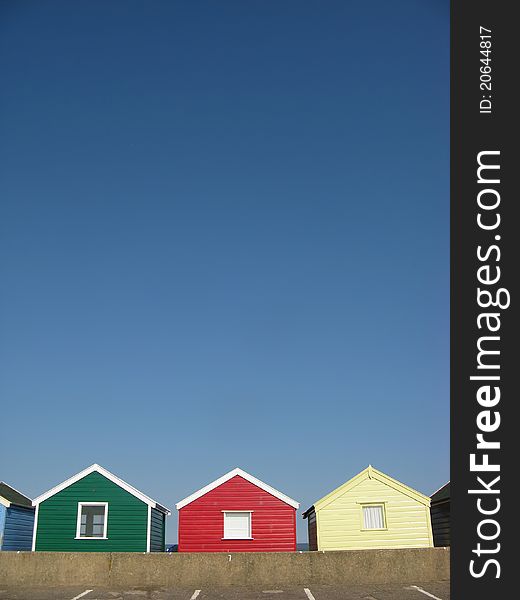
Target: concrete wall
<point>216,569</point>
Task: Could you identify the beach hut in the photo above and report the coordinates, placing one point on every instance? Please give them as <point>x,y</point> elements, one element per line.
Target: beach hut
<point>237,513</point>
<point>371,510</point>
<point>16,519</point>
<point>440,512</point>
<point>95,511</point>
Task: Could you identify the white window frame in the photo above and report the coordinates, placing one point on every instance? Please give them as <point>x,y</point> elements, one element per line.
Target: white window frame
<point>78,521</point>
<point>225,512</point>
<point>382,506</point>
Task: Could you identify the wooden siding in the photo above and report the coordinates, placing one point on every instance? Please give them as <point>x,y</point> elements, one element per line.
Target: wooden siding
<point>201,523</point>
<point>18,529</point>
<point>312,530</point>
<point>340,521</point>
<point>127,518</point>
<point>441,523</point>
<point>3,512</point>
<point>157,532</point>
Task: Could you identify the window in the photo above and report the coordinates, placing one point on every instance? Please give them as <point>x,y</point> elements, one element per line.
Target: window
<point>237,525</point>
<point>374,516</point>
<point>92,520</point>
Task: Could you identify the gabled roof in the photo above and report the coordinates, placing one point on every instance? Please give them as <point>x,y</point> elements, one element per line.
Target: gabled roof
<point>247,477</point>
<point>368,473</point>
<point>442,494</point>
<point>12,496</point>
<point>97,468</point>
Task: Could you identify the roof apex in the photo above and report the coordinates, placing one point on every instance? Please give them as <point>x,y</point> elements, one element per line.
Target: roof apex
<point>106,473</point>
<point>233,473</point>
<point>370,472</point>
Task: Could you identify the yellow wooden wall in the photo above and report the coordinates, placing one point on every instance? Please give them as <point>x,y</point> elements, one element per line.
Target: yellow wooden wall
<point>340,522</point>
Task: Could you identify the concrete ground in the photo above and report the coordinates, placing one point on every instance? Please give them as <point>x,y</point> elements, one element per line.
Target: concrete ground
<point>419,591</point>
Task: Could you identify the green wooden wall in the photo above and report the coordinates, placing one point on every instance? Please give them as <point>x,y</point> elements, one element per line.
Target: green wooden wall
<point>127,518</point>
<point>157,533</point>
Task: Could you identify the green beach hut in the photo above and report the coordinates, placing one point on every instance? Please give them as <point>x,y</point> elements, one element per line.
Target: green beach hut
<point>95,511</point>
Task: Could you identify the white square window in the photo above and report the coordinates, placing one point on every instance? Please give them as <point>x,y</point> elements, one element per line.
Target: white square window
<point>237,525</point>
<point>373,517</point>
<point>92,520</point>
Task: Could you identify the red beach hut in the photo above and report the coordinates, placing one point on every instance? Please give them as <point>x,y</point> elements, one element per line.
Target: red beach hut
<point>237,513</point>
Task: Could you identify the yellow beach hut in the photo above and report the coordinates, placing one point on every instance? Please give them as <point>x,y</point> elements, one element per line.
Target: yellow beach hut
<point>371,510</point>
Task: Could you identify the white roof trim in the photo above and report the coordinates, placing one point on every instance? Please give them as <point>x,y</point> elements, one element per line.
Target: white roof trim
<point>247,477</point>
<point>17,491</point>
<point>439,489</point>
<point>99,469</point>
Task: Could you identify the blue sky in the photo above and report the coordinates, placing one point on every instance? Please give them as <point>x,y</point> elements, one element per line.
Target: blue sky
<point>224,242</point>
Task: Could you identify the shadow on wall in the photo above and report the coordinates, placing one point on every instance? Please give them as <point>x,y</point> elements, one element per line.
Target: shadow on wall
<point>299,548</point>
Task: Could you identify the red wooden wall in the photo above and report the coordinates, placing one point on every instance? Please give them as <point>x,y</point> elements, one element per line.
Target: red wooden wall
<point>201,523</point>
